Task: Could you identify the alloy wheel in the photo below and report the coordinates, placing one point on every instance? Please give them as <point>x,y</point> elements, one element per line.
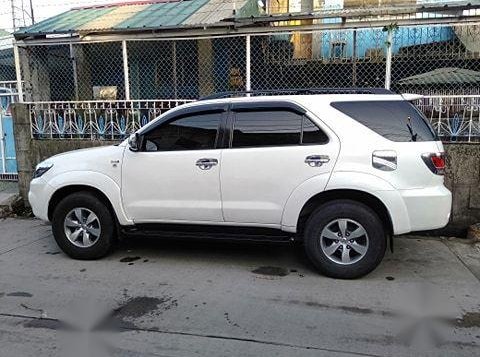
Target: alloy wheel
<point>82,227</point>
<point>344,241</point>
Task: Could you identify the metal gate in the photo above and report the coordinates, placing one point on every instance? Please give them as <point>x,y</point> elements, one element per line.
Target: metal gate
<point>8,162</point>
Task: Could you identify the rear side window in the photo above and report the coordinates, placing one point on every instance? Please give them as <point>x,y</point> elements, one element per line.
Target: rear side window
<point>266,128</point>
<point>274,128</point>
<point>394,120</point>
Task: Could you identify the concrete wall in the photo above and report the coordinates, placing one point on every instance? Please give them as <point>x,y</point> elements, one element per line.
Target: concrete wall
<point>30,152</point>
<point>462,178</point>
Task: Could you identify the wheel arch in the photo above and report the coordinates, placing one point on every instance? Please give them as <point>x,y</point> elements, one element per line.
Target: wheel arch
<point>73,181</point>
<point>65,191</point>
<point>363,197</point>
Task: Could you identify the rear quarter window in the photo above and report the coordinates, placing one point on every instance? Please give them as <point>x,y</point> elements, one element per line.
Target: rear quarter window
<point>394,120</point>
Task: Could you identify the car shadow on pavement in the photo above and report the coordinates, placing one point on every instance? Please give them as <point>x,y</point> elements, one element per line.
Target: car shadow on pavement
<point>205,249</point>
<point>412,259</point>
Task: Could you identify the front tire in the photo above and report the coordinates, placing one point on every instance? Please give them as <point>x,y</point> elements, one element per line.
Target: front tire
<point>83,226</point>
<point>345,239</point>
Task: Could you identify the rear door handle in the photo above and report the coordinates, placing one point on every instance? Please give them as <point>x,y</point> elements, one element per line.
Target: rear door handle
<point>316,160</point>
<point>206,164</point>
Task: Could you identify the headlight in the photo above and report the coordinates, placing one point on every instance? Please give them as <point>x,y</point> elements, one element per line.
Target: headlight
<point>41,169</point>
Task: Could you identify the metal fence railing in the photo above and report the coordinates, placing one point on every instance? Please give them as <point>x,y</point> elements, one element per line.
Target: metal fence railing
<point>94,120</point>
<point>12,85</point>
<point>454,118</point>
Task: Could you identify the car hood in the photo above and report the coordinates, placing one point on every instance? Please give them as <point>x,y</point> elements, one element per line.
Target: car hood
<point>80,152</point>
<point>91,159</point>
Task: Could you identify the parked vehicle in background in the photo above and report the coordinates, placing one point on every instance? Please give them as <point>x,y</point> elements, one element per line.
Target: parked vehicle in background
<point>342,172</point>
<point>8,163</point>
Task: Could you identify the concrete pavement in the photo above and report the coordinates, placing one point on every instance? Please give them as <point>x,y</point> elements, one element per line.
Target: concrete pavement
<point>8,195</point>
<point>155,297</point>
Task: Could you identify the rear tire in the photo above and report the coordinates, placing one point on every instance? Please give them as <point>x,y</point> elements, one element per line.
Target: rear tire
<point>345,239</point>
<point>83,226</point>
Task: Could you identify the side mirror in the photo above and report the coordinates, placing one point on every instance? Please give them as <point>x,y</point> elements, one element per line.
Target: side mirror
<point>134,142</point>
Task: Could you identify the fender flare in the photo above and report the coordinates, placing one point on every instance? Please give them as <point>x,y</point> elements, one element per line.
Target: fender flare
<point>95,180</point>
<point>347,180</point>
<point>297,199</point>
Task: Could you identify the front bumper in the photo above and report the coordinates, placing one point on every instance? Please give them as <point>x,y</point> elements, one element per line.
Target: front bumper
<point>39,197</point>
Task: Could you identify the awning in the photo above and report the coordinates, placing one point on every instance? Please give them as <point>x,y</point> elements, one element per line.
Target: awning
<point>441,76</point>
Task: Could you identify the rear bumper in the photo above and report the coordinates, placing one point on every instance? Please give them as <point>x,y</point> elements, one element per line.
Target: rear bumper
<point>428,208</point>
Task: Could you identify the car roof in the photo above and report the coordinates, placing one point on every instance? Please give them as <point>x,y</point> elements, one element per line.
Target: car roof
<point>305,100</point>
<point>309,102</point>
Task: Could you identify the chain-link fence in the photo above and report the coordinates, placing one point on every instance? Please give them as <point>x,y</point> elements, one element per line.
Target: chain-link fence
<point>425,59</point>
<point>347,58</point>
<point>7,62</point>
<point>437,60</point>
<point>186,68</point>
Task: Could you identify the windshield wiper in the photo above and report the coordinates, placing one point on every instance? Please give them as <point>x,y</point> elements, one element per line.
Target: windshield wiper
<point>409,126</point>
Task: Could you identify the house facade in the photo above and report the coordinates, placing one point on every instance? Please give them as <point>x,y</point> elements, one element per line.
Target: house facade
<point>187,49</point>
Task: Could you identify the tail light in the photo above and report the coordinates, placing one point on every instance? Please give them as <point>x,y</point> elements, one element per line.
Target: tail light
<point>435,162</point>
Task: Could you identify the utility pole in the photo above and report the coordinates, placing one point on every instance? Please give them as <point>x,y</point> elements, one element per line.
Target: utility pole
<point>14,22</point>
<point>24,12</point>
<point>31,13</point>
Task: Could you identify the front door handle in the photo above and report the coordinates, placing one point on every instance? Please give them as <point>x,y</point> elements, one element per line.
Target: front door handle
<point>316,160</point>
<point>206,164</point>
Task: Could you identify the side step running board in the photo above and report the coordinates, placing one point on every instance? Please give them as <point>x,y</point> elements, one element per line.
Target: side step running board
<point>208,232</point>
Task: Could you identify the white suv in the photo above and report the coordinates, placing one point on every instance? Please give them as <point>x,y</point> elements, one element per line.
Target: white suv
<point>342,172</point>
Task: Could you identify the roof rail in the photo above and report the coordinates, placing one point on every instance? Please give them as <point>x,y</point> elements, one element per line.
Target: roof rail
<point>297,91</point>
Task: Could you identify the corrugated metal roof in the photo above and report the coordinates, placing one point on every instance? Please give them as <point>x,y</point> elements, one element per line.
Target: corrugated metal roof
<point>67,22</point>
<point>439,76</point>
<point>154,14</point>
<point>216,10</point>
<point>162,15</point>
<point>113,18</point>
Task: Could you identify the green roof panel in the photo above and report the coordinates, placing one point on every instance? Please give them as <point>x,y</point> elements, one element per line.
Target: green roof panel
<point>442,76</point>
<point>138,15</point>
<point>163,15</point>
<point>66,22</point>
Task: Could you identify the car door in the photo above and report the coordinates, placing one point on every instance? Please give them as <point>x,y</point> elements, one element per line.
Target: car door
<point>274,148</point>
<point>175,175</point>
